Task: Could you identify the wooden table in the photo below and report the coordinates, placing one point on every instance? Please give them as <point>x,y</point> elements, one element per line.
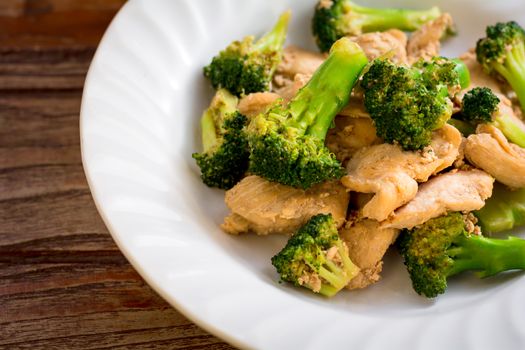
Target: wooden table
<point>63,282</point>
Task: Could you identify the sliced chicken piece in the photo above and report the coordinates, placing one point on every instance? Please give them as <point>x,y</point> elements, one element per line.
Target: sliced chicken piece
<point>265,207</point>
<point>290,90</point>
<point>517,111</point>
<point>350,135</point>
<point>255,103</point>
<point>490,151</point>
<point>459,163</point>
<point>425,43</point>
<point>355,107</point>
<point>463,190</point>
<point>367,244</point>
<point>296,61</point>
<point>357,202</point>
<point>392,174</point>
<point>391,42</point>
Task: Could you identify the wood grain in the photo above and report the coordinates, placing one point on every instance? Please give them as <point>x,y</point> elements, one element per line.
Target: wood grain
<point>63,282</point>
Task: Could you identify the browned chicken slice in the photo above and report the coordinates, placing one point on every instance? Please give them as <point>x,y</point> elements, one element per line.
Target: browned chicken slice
<point>290,90</point>
<point>350,135</point>
<point>517,111</point>
<point>296,61</point>
<point>392,174</point>
<point>256,103</point>
<point>459,163</point>
<point>463,190</point>
<point>355,107</point>
<point>391,43</point>
<point>265,207</point>
<point>367,244</point>
<point>490,151</point>
<point>425,43</point>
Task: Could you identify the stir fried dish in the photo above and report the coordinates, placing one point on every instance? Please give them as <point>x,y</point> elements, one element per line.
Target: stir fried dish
<point>374,142</point>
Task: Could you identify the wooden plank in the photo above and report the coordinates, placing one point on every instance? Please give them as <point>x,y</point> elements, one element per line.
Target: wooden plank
<point>74,290</point>
<point>48,217</point>
<point>63,282</point>
<point>79,323</point>
<point>51,23</point>
<point>39,70</point>
<point>182,337</point>
<point>39,121</point>
<point>43,180</point>
<point>96,322</point>
<point>24,156</point>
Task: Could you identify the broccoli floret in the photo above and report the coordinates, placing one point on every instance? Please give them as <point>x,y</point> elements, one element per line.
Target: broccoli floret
<point>407,104</point>
<point>244,66</point>
<point>316,258</point>
<point>441,248</point>
<point>224,160</point>
<point>287,141</point>
<point>504,210</point>
<point>335,19</point>
<point>503,51</point>
<point>480,105</point>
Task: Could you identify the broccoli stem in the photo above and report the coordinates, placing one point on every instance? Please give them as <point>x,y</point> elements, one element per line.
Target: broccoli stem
<point>513,70</point>
<point>504,210</point>
<point>209,133</point>
<point>351,269</point>
<point>511,127</point>
<point>223,103</point>
<point>488,256</point>
<point>380,19</point>
<point>463,127</point>
<point>336,277</point>
<point>463,73</point>
<point>332,274</point>
<point>328,91</point>
<point>328,291</point>
<point>274,39</point>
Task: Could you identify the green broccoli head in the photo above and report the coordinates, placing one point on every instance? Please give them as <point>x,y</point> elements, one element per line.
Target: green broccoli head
<point>287,141</point>
<point>442,247</point>
<point>282,155</point>
<point>503,51</point>
<point>425,252</point>
<point>407,104</point>
<point>479,104</point>
<point>334,19</point>
<point>247,66</point>
<point>316,258</point>
<point>327,26</point>
<point>501,39</point>
<point>224,160</point>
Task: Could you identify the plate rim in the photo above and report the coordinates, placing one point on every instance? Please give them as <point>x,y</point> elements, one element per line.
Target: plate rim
<point>167,297</point>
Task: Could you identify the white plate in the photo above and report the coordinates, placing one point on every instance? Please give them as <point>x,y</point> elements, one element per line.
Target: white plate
<point>139,125</point>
